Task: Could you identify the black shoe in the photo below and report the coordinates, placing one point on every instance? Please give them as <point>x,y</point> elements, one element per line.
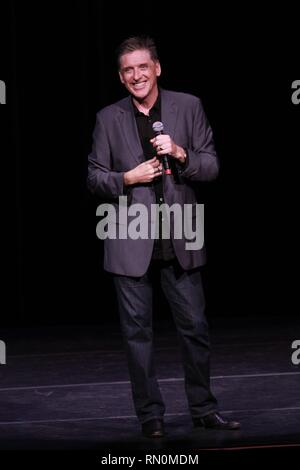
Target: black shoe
<point>153,428</point>
<point>215,421</point>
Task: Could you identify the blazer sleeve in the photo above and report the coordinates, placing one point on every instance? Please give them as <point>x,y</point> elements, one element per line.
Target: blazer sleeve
<point>202,164</point>
<point>101,179</point>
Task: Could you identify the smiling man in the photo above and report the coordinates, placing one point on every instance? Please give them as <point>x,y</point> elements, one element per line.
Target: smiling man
<point>138,72</point>
<point>129,158</point>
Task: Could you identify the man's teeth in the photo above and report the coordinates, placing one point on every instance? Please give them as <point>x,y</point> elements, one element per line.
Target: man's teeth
<point>139,85</point>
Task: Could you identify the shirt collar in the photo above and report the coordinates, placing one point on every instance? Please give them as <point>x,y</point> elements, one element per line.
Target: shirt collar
<point>156,107</point>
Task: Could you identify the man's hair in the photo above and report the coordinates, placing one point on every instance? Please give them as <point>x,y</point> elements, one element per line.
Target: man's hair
<point>136,43</point>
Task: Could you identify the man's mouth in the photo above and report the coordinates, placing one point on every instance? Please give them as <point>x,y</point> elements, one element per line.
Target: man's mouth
<point>139,86</point>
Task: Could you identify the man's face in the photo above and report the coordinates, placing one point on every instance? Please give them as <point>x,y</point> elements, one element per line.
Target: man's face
<point>138,72</point>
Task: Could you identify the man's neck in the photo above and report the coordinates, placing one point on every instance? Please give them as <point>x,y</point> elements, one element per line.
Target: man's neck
<point>145,105</point>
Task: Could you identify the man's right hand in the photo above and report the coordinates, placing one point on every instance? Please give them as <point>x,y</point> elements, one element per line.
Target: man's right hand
<point>143,173</point>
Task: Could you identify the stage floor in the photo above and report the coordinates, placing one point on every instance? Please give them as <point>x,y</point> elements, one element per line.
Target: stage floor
<point>68,388</point>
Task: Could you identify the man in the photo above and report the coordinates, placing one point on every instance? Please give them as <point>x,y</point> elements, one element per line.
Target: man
<point>126,160</point>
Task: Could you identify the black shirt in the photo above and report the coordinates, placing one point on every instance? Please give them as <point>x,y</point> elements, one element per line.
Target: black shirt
<point>163,248</point>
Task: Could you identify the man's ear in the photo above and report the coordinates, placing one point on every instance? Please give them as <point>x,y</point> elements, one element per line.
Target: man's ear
<point>157,68</point>
<point>121,78</point>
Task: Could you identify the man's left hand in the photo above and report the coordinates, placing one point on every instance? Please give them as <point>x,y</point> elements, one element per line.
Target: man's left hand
<point>164,145</point>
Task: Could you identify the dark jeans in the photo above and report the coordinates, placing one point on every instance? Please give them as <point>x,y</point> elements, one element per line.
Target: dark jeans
<point>184,292</point>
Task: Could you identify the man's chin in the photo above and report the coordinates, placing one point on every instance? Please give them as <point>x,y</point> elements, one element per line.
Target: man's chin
<point>140,91</point>
<point>139,96</point>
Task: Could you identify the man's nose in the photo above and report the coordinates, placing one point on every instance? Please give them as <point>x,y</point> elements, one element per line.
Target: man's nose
<point>136,74</point>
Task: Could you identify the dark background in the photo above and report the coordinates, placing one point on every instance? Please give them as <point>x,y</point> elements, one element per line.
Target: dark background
<point>59,68</point>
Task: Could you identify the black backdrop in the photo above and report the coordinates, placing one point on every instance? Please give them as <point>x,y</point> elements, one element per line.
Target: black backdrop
<point>60,71</point>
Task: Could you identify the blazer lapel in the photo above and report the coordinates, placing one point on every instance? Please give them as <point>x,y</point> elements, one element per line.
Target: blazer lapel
<point>130,131</point>
<point>169,112</point>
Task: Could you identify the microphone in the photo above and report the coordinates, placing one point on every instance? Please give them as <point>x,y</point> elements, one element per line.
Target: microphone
<point>158,129</point>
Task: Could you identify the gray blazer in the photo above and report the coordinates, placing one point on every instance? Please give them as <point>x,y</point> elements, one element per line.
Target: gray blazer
<point>117,149</point>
